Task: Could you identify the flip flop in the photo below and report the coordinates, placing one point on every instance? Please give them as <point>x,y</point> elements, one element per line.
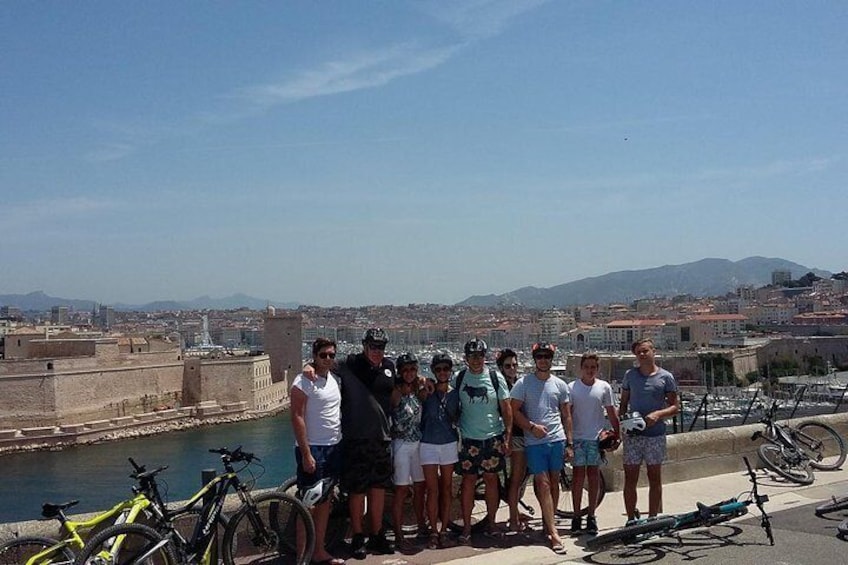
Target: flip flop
<point>558,548</point>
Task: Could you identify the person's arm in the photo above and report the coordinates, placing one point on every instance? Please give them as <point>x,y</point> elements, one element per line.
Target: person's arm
<point>613,419</point>
<point>623,402</point>
<point>298,418</point>
<point>568,423</point>
<point>670,410</point>
<point>394,400</point>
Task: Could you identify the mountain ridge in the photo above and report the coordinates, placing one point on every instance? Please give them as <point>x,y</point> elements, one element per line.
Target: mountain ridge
<point>705,277</point>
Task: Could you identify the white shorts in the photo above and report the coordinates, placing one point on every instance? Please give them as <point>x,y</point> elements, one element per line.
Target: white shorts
<point>439,454</point>
<point>407,462</point>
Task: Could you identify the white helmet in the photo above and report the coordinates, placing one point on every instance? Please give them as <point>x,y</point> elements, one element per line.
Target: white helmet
<point>633,424</point>
<point>317,493</point>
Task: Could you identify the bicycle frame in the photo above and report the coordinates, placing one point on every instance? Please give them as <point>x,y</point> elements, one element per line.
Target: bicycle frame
<point>124,511</point>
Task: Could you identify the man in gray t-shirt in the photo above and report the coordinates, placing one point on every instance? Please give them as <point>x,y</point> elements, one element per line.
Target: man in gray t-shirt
<point>651,391</point>
<point>540,407</point>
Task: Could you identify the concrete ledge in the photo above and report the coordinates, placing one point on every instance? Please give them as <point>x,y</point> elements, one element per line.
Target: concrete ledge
<point>146,417</point>
<point>72,428</point>
<point>8,434</point>
<point>165,414</point>
<point>37,432</point>
<point>98,425</point>
<point>122,420</point>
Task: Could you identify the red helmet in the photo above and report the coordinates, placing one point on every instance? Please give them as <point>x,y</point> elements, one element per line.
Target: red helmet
<point>608,440</point>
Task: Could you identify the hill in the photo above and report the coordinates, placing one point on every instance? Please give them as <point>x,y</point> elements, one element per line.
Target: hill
<point>707,277</point>
<point>38,301</point>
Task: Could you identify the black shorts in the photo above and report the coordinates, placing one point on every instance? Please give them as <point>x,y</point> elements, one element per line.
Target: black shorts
<point>366,463</point>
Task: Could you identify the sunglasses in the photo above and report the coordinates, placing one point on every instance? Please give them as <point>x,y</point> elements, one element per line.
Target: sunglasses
<point>510,365</point>
<point>475,356</point>
<point>377,346</point>
<point>543,356</point>
<point>442,369</point>
<point>327,355</point>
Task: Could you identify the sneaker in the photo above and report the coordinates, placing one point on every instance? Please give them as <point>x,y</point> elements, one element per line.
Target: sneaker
<point>357,546</point>
<point>591,525</point>
<point>575,525</point>
<point>379,545</point>
<point>631,522</point>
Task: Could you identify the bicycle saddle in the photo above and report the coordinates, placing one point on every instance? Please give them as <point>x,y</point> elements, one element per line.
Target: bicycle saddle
<point>50,510</point>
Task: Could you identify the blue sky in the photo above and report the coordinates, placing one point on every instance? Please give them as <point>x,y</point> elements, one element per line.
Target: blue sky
<point>350,153</point>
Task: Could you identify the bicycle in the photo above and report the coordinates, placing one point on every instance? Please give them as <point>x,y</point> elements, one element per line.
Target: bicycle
<point>41,550</point>
<point>564,507</point>
<point>338,522</point>
<point>702,516</point>
<point>792,452</point>
<point>835,504</point>
<point>262,528</point>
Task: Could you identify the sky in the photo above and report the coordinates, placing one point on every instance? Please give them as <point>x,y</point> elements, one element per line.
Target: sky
<point>371,152</point>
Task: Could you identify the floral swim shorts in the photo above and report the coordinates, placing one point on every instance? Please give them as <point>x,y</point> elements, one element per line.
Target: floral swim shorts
<point>482,456</point>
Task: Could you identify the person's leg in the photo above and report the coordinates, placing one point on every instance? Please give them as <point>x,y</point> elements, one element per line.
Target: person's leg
<point>517,473</point>
<point>469,481</point>
<point>320,516</point>
<point>401,492</point>
<point>654,456</point>
<point>631,479</point>
<point>431,480</point>
<point>356,506</point>
<point>493,499</point>
<point>445,496</point>
<point>654,489</point>
<point>592,473</point>
<point>419,489</point>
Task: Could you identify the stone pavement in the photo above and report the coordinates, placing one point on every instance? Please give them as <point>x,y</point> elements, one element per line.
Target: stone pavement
<point>514,549</point>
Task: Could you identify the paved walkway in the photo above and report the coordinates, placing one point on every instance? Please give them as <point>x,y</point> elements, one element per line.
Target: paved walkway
<point>514,549</point>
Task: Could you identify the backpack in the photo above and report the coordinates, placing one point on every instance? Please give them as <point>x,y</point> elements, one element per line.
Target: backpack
<point>493,374</point>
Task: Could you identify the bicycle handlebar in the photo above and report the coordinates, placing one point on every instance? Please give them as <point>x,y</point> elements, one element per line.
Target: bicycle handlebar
<point>236,455</point>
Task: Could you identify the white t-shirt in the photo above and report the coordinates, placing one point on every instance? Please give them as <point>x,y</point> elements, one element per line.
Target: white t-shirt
<point>588,407</point>
<point>323,414</point>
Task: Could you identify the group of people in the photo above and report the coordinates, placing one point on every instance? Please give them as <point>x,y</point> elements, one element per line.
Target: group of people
<point>374,424</point>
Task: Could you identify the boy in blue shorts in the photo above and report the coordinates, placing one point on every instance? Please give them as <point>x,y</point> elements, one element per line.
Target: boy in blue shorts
<point>540,408</point>
<point>590,398</point>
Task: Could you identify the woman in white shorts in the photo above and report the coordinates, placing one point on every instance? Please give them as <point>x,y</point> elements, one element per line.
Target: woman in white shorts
<point>406,436</point>
<point>438,449</point>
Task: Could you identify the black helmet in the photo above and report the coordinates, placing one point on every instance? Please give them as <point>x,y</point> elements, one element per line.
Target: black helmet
<point>543,347</point>
<point>406,359</point>
<point>476,345</point>
<point>608,440</point>
<point>441,359</point>
<point>375,335</point>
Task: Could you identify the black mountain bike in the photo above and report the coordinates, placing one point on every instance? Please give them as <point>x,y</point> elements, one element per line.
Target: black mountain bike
<point>262,529</point>
<point>793,452</point>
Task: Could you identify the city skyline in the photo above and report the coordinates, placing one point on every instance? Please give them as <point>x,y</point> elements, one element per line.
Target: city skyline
<point>413,152</point>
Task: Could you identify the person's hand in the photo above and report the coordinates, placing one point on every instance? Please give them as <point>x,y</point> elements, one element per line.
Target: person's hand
<point>309,464</point>
<point>427,385</point>
<point>651,419</point>
<point>569,453</point>
<point>539,431</point>
<point>309,373</point>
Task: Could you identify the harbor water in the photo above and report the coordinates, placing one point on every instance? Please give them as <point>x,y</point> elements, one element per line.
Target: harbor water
<point>98,475</point>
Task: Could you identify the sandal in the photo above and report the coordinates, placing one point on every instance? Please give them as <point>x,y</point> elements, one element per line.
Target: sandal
<point>464,539</point>
<point>435,541</point>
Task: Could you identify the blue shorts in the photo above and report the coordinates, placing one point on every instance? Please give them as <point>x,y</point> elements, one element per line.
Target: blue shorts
<point>586,453</point>
<point>545,457</point>
<point>328,463</point>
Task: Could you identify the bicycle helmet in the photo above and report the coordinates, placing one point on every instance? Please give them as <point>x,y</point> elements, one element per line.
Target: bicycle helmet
<point>375,335</point>
<point>543,347</point>
<point>476,345</point>
<point>608,440</point>
<point>317,493</point>
<point>404,360</point>
<point>633,424</point>
<point>441,359</point>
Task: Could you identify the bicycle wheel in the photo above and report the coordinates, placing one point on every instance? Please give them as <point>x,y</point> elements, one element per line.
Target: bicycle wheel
<point>22,549</point>
<point>565,508</point>
<point>338,524</point>
<point>266,532</point>
<point>842,529</point>
<point>127,544</point>
<point>790,467</point>
<point>835,504</point>
<point>632,533</point>
<point>822,444</point>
